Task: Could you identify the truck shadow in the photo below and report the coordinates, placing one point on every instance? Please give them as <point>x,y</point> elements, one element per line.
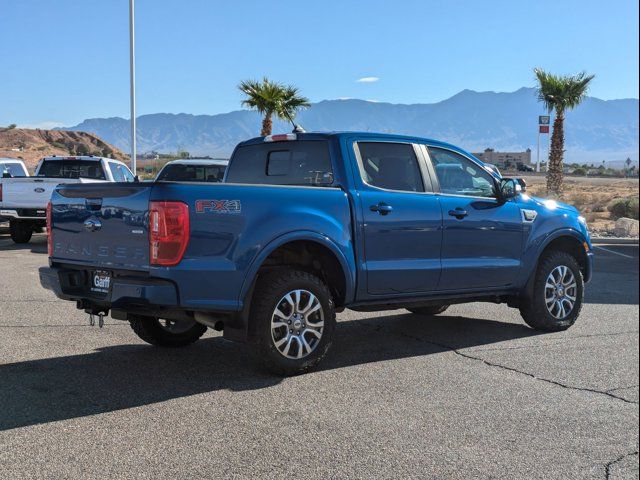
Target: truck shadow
<point>120,377</point>
<point>38,244</point>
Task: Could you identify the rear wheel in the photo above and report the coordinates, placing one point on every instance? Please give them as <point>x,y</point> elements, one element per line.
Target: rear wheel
<point>293,319</point>
<point>558,293</point>
<point>20,231</point>
<point>167,333</point>
<point>429,310</point>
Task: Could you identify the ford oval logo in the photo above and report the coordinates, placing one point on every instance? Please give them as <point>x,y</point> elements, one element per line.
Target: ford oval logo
<point>38,190</point>
<point>92,224</point>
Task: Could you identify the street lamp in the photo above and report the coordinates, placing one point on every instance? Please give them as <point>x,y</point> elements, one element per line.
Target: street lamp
<point>132,72</point>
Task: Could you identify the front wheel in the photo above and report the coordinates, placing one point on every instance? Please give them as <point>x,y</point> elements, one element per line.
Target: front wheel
<point>166,333</point>
<point>20,231</point>
<point>293,319</point>
<point>558,292</point>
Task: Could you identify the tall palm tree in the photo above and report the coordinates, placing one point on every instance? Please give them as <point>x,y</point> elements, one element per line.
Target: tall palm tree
<point>272,98</point>
<point>559,93</point>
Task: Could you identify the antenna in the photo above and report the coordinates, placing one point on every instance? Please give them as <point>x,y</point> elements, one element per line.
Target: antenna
<point>296,128</point>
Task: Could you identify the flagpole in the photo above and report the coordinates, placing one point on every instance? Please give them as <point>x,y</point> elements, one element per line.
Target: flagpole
<point>132,70</point>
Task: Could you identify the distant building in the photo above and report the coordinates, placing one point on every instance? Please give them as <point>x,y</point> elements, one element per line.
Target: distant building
<point>505,160</point>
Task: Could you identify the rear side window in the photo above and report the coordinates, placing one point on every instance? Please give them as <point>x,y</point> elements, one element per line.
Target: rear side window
<point>14,169</point>
<point>72,169</point>
<point>393,166</point>
<point>192,173</point>
<point>118,176</point>
<point>303,162</point>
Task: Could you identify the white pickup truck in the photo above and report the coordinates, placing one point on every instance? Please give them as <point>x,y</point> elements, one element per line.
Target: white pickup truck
<point>23,201</point>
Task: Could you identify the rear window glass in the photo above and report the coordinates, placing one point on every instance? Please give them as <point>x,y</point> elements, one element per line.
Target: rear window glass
<point>303,162</point>
<point>192,173</point>
<point>72,169</point>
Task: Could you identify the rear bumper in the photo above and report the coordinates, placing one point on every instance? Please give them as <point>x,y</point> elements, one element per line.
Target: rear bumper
<point>23,213</point>
<point>126,292</point>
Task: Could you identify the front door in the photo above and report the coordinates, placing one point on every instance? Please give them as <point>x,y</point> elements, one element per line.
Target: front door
<point>402,219</point>
<point>482,237</point>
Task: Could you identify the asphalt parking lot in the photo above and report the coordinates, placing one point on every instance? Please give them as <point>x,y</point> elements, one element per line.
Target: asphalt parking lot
<point>473,393</point>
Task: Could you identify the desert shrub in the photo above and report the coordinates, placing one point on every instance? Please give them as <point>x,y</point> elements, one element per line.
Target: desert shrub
<point>599,206</point>
<point>59,145</point>
<point>626,207</point>
<point>11,126</point>
<point>580,171</point>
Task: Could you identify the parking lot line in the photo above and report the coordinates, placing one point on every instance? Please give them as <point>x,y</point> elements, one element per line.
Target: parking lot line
<point>614,252</point>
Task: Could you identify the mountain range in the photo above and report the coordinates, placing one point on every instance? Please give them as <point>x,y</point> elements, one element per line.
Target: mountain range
<point>595,131</point>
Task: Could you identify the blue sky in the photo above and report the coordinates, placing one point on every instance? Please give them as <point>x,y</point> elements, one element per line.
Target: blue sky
<point>67,60</point>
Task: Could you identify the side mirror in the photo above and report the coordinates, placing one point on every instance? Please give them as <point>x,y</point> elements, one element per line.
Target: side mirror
<point>523,184</point>
<point>509,188</point>
<point>136,179</point>
<point>6,175</point>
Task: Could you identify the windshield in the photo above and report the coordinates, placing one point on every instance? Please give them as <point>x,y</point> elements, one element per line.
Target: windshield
<point>91,169</point>
<point>192,173</point>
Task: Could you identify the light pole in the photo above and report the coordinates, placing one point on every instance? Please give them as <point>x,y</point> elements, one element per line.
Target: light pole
<point>132,70</point>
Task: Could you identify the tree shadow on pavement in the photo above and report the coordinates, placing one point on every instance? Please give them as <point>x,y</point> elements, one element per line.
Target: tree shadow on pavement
<point>119,377</point>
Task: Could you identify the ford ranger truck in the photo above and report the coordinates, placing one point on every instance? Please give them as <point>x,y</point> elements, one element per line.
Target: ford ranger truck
<point>306,225</point>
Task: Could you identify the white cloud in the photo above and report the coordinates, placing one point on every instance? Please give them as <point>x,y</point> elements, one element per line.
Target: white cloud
<point>367,80</point>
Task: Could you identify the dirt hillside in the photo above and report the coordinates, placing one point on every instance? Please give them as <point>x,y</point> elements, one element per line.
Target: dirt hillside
<point>31,145</point>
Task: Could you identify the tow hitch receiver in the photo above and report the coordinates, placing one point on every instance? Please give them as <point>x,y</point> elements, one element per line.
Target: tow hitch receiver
<point>92,320</point>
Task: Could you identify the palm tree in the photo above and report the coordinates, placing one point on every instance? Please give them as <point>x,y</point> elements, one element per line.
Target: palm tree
<point>559,93</point>
<point>272,98</point>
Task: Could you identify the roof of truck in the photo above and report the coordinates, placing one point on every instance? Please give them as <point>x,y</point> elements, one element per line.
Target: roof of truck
<point>372,135</point>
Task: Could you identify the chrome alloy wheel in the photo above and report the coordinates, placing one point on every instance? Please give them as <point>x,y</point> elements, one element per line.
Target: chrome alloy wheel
<point>297,323</point>
<point>560,292</point>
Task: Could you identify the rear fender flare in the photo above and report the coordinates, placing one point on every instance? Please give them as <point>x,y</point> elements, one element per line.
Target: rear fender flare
<point>348,268</point>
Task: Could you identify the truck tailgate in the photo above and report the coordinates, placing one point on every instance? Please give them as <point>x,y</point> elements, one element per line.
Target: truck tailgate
<point>27,192</point>
<point>102,225</point>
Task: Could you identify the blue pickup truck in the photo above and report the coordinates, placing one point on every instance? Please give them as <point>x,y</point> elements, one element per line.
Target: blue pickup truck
<point>306,225</point>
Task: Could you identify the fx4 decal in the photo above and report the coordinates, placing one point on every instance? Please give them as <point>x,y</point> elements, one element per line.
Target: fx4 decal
<point>218,206</point>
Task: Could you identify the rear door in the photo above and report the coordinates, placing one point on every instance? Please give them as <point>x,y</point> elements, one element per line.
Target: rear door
<point>482,236</point>
<point>402,218</point>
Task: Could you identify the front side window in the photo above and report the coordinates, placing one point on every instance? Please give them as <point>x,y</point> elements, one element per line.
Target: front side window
<point>72,169</point>
<point>128,176</point>
<point>458,175</point>
<point>392,166</point>
<point>118,176</point>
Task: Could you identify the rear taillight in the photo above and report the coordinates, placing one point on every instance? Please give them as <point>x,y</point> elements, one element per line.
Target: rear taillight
<point>168,232</point>
<point>49,231</point>
<point>0,192</point>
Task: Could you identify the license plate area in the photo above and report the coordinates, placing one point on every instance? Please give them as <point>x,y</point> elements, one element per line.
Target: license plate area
<point>100,282</point>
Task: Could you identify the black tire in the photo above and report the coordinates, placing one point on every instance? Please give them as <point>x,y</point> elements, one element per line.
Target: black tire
<point>271,288</point>
<point>20,231</point>
<point>152,331</point>
<point>429,309</point>
<point>535,312</point>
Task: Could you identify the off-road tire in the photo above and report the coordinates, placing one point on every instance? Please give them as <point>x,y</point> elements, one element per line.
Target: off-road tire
<point>535,312</point>
<point>429,310</point>
<point>20,231</point>
<point>150,330</point>
<point>270,289</point>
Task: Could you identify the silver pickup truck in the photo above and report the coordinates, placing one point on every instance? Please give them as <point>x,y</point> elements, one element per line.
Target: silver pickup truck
<point>23,201</point>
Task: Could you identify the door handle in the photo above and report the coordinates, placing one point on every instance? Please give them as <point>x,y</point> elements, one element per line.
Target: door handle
<point>459,213</point>
<point>382,208</point>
